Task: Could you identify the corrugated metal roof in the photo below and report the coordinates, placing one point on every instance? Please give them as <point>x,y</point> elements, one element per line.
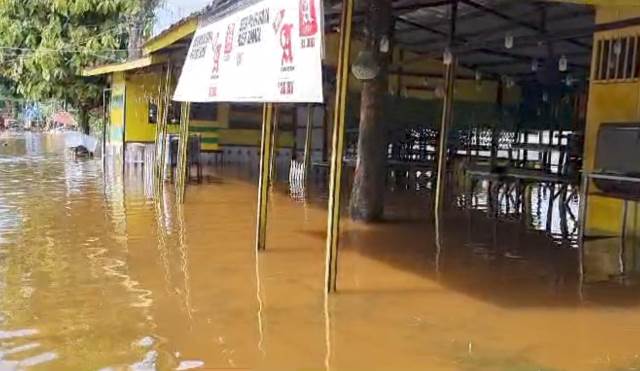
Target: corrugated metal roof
<point>422,27</point>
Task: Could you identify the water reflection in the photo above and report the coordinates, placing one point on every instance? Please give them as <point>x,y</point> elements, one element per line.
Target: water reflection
<point>94,275</point>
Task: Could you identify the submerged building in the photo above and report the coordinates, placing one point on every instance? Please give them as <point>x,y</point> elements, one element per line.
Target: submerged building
<point>540,92</point>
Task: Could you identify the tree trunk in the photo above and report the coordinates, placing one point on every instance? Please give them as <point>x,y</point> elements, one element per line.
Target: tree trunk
<point>84,120</point>
<point>141,20</point>
<point>367,195</point>
<point>135,42</point>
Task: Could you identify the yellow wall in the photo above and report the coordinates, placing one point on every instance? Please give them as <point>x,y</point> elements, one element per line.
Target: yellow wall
<point>249,137</point>
<point>142,88</point>
<point>610,102</point>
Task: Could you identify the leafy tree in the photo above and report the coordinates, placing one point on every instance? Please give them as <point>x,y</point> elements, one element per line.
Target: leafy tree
<point>141,25</point>
<point>45,45</point>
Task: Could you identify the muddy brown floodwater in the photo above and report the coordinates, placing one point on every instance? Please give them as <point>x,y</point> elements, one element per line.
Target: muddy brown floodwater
<point>94,276</point>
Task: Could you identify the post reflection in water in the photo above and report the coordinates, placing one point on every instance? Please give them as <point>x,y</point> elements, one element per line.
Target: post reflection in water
<point>94,274</point>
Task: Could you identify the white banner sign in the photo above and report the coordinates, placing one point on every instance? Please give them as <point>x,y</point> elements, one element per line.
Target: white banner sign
<point>270,51</point>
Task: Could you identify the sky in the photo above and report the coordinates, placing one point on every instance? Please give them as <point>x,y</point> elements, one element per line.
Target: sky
<point>173,10</point>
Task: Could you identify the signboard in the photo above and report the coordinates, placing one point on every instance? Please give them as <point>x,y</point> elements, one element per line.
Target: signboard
<point>270,51</point>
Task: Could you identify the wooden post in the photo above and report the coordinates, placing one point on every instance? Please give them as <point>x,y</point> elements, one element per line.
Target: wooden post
<point>306,163</point>
<point>335,186</point>
<point>265,175</point>
<point>183,155</point>
<point>447,115</point>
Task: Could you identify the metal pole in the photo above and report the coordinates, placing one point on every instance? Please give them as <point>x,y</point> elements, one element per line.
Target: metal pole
<point>104,124</point>
<point>183,152</point>
<point>447,115</point>
<point>307,143</point>
<point>584,200</point>
<point>335,185</point>
<point>124,132</point>
<point>265,175</point>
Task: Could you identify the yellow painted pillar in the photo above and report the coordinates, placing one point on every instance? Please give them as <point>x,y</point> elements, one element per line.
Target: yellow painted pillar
<point>335,184</point>
<point>265,175</point>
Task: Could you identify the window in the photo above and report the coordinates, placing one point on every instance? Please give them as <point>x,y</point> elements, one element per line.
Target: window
<point>204,111</point>
<point>617,59</point>
<point>153,113</point>
<point>175,113</point>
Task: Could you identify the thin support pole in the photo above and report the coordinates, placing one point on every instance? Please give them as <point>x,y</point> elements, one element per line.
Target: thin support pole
<point>124,132</point>
<point>105,120</point>
<point>183,152</point>
<point>335,183</point>
<point>265,175</point>
<point>161,139</point>
<point>307,144</point>
<point>274,143</point>
<point>447,118</point>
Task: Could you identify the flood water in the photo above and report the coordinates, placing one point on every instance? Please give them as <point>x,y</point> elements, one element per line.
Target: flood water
<point>95,276</point>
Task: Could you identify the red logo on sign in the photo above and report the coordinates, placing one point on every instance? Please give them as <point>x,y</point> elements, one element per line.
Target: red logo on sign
<point>308,18</point>
<point>216,55</point>
<point>228,45</point>
<point>285,42</point>
<point>278,21</point>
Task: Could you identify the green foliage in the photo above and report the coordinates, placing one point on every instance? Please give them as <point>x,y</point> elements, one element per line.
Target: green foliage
<point>45,45</point>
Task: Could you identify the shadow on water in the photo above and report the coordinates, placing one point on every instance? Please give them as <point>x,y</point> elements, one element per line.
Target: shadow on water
<point>521,258</point>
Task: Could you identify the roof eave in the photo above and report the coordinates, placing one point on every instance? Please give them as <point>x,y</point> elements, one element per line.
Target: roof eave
<point>172,35</point>
<point>126,66</point>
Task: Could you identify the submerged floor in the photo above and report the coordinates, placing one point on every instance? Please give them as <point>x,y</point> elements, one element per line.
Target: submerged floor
<point>94,276</point>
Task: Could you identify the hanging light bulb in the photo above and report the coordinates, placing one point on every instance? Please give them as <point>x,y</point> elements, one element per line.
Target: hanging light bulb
<point>545,97</point>
<point>569,80</point>
<point>384,44</point>
<point>534,65</point>
<point>617,47</point>
<point>447,57</point>
<point>508,41</point>
<point>563,64</point>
